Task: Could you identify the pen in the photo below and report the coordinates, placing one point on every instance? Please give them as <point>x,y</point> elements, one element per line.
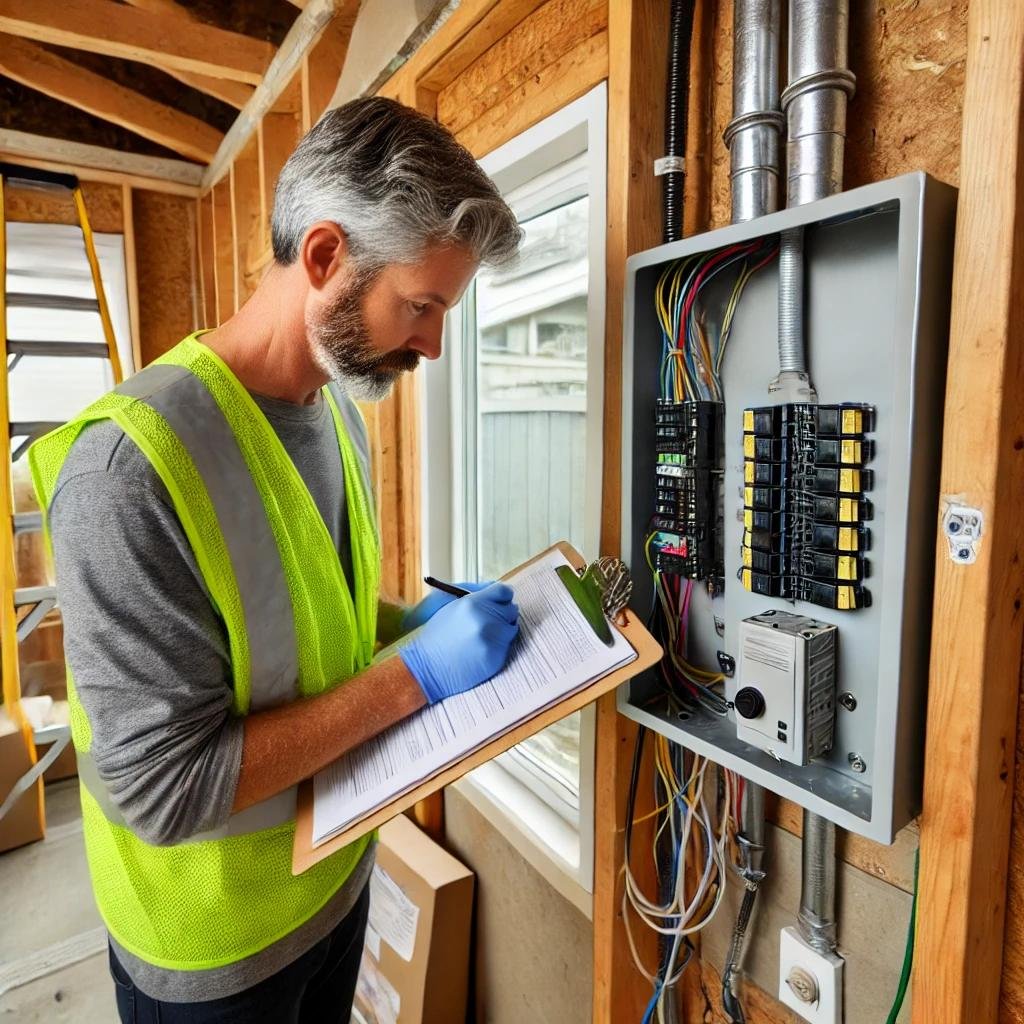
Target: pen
<point>447,588</point>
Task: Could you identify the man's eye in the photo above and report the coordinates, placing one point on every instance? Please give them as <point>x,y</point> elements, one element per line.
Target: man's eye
<point>418,308</point>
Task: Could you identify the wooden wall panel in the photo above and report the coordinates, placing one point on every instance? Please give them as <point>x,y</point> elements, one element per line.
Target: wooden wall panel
<point>280,130</point>
<point>102,203</point>
<point>165,227</point>
<point>554,56</point>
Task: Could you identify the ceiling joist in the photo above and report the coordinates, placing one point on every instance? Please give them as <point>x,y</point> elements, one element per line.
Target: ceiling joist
<point>237,94</point>
<point>39,69</point>
<point>117,30</point>
<point>306,30</point>
<point>98,163</point>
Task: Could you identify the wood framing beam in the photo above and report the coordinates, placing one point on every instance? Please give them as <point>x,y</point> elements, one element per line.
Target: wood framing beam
<point>97,163</point>
<point>287,62</point>
<point>40,69</point>
<point>237,94</point>
<point>976,639</point>
<point>637,34</point>
<point>103,26</point>
<point>322,64</point>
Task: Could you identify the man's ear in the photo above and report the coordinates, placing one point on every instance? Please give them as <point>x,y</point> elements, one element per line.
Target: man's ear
<point>324,252</point>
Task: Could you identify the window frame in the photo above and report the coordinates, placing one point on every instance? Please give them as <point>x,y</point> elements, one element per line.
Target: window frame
<point>519,801</point>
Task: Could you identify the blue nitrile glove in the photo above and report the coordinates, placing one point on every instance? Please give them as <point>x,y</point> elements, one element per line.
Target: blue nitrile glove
<point>418,614</point>
<point>464,644</point>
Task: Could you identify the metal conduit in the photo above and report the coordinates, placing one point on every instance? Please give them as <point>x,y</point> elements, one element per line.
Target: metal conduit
<point>820,83</point>
<point>754,150</point>
<point>757,120</point>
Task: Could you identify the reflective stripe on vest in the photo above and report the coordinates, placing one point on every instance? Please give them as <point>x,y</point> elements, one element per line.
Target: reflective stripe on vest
<point>191,412</point>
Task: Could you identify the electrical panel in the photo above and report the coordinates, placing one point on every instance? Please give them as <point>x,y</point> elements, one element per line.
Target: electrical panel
<point>791,540</point>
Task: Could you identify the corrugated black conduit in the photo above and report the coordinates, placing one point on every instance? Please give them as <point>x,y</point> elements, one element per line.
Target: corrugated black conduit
<point>677,102</point>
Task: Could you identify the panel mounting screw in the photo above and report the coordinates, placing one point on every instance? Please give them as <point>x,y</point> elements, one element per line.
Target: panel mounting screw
<point>857,763</point>
<point>848,701</point>
<point>803,985</point>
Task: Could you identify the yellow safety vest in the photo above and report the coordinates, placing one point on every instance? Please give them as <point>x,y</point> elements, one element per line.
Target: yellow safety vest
<point>294,629</point>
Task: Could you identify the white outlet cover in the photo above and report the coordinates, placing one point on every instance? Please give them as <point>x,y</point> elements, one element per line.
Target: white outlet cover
<point>827,972</point>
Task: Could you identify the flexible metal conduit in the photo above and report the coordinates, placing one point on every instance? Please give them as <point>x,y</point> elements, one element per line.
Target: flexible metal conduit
<point>820,83</point>
<point>677,103</point>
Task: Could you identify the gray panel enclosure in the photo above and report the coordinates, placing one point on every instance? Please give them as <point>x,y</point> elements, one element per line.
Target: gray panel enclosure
<point>879,264</point>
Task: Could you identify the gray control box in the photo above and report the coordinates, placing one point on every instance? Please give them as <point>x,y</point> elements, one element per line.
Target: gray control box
<point>785,699</point>
<point>878,266</point>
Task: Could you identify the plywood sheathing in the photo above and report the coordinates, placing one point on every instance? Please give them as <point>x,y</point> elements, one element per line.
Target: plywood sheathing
<point>164,233</point>
<point>102,204</point>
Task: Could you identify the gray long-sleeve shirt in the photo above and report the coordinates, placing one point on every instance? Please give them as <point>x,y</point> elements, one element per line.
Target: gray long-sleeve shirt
<point>149,657</point>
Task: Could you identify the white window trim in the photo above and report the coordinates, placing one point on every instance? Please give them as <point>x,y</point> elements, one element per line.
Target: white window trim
<point>561,851</point>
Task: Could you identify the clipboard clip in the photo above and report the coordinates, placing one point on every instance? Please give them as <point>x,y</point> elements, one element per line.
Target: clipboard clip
<point>601,591</point>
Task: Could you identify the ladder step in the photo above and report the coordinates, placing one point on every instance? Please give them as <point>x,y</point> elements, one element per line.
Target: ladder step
<point>31,300</point>
<point>28,522</point>
<point>39,601</point>
<point>33,595</point>
<point>71,349</point>
<point>30,430</point>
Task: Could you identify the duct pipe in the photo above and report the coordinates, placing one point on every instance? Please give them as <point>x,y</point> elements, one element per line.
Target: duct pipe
<point>820,83</point>
<point>757,121</point>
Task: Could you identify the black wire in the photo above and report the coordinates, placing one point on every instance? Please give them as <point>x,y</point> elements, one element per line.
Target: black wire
<point>677,101</point>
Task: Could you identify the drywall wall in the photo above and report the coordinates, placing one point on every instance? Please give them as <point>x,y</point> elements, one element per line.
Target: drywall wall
<point>533,948</point>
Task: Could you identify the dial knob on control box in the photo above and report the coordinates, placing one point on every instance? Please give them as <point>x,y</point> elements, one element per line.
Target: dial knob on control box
<point>749,702</point>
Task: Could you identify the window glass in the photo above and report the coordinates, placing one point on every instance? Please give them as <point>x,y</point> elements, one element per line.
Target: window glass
<point>531,399</point>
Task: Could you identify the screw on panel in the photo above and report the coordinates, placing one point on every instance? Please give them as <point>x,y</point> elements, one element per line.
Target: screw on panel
<point>857,763</point>
<point>848,701</point>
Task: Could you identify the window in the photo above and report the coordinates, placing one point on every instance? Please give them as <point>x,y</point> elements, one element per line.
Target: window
<point>513,415</point>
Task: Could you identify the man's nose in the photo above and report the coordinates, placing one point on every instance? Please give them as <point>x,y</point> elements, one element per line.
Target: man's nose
<point>427,343</point>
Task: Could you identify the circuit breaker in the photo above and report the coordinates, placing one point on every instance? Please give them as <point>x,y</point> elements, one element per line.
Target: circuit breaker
<point>766,522</point>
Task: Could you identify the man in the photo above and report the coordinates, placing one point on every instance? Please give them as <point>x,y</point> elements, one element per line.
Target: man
<point>218,568</point>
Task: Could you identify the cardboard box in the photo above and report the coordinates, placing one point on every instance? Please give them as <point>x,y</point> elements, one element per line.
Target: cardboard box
<point>416,957</point>
<point>24,822</point>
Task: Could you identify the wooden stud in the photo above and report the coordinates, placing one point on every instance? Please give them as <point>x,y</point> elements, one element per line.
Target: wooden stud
<point>207,259</point>
<point>246,213</point>
<point>637,34</point>
<point>46,72</point>
<point>223,251</point>
<point>975,671</point>
<point>96,163</point>
<point>131,273</point>
<point>103,26</point>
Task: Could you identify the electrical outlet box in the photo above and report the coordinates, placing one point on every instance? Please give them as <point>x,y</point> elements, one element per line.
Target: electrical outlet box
<point>878,266</point>
<point>811,983</point>
<point>785,700</point>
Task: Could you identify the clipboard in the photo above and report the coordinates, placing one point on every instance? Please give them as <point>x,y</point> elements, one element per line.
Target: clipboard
<point>648,653</point>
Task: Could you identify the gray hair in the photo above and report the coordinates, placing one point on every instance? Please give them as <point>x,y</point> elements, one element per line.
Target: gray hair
<point>396,182</point>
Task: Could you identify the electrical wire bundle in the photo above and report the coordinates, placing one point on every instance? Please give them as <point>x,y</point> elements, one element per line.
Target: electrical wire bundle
<point>698,856</point>
<point>692,347</point>
<point>686,683</point>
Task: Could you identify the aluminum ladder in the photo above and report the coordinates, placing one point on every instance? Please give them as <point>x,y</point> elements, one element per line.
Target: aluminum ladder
<point>24,608</point>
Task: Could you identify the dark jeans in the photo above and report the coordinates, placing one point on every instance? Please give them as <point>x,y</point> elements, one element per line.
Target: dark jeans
<point>318,988</point>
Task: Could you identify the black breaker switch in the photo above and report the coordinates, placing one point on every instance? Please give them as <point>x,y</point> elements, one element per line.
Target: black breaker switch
<point>804,514</point>
<point>687,529</point>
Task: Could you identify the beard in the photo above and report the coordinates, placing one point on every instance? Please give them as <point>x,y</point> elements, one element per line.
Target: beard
<point>340,344</point>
